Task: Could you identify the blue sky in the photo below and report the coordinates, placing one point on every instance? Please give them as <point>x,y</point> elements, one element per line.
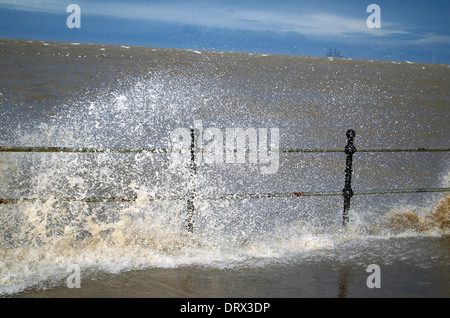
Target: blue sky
<point>413,30</point>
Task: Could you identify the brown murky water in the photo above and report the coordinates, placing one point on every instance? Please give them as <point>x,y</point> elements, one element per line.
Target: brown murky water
<point>86,95</point>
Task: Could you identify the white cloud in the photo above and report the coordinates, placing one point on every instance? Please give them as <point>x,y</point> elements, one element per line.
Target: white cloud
<point>308,22</point>
<point>220,16</point>
<point>52,6</point>
<point>431,38</point>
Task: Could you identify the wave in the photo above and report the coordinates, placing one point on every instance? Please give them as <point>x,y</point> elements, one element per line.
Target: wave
<point>41,240</point>
<point>38,241</point>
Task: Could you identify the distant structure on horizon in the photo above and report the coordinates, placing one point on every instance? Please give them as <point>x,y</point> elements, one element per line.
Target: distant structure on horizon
<point>334,53</point>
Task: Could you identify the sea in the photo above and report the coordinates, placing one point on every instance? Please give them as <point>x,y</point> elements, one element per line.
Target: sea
<point>56,241</point>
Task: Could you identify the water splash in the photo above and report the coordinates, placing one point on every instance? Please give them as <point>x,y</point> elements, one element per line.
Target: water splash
<point>39,240</point>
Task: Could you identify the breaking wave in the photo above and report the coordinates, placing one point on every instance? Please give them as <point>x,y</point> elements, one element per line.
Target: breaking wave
<point>40,239</point>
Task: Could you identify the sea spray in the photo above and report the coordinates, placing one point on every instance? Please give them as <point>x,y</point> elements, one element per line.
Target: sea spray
<point>135,102</point>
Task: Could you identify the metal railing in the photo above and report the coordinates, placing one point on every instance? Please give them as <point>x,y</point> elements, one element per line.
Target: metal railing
<point>165,150</point>
<point>347,192</point>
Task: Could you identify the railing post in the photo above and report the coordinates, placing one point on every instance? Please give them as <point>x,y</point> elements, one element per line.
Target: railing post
<point>350,149</point>
<point>191,185</point>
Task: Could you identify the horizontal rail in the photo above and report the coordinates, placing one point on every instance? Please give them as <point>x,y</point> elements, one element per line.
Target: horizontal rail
<point>87,200</point>
<point>82,149</point>
<point>232,196</point>
<point>402,150</point>
<point>165,150</point>
<point>321,194</point>
<point>420,149</point>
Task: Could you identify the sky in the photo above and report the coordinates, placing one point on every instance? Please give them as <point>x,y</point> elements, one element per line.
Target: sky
<point>413,30</point>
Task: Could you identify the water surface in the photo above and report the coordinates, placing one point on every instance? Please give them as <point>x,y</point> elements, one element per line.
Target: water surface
<point>89,95</point>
